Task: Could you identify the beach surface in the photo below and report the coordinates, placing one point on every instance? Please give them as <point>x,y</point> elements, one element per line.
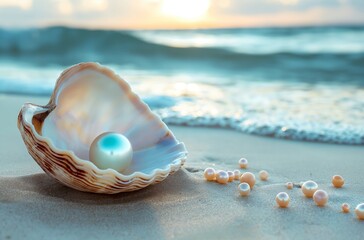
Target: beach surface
<point>185,206</point>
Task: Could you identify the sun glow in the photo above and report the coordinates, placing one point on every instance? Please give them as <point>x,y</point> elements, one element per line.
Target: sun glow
<point>188,10</point>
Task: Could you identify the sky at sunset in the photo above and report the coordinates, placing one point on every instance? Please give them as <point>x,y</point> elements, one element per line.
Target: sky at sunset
<point>160,14</point>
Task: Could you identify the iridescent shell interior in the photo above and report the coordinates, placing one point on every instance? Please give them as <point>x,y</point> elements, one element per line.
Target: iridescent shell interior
<point>89,100</point>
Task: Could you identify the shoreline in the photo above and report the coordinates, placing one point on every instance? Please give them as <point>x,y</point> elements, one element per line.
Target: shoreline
<point>185,206</point>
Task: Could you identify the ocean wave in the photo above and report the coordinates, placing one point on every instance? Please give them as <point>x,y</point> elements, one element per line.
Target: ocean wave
<point>67,46</point>
<point>298,111</point>
<point>61,41</point>
<point>344,40</point>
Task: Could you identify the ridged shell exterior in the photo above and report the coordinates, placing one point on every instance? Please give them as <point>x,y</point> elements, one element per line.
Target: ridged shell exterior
<point>81,174</point>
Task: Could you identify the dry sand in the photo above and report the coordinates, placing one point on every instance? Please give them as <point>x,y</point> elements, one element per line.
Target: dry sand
<point>185,206</point>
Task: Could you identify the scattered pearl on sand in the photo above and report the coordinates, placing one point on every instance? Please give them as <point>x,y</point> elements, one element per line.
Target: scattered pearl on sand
<point>345,207</point>
<point>231,176</point>
<point>320,197</point>
<point>359,211</point>
<point>243,163</point>
<point>237,174</point>
<point>289,185</point>
<point>309,188</point>
<point>111,150</point>
<point>222,177</point>
<point>244,189</point>
<point>248,178</point>
<point>263,175</point>
<point>209,174</point>
<point>282,199</point>
<point>337,181</point>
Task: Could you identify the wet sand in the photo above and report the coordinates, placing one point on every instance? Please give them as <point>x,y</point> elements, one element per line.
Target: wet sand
<point>185,206</point>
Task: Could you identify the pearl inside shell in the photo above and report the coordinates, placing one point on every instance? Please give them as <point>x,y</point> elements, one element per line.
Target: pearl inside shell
<point>231,175</point>
<point>309,188</point>
<point>244,189</point>
<point>248,178</point>
<point>209,174</point>
<point>111,150</point>
<point>320,197</point>
<point>289,185</point>
<point>283,199</point>
<point>222,177</point>
<point>337,181</point>
<point>263,175</point>
<point>359,211</point>
<point>345,207</point>
<point>243,163</point>
<point>237,174</point>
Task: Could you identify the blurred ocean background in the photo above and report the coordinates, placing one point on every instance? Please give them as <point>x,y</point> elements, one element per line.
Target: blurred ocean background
<point>302,83</point>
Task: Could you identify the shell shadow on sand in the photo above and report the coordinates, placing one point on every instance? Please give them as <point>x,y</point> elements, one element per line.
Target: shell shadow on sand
<point>43,204</point>
<point>40,185</point>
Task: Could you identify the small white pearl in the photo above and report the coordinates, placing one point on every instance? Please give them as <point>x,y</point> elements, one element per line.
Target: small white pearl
<point>283,199</point>
<point>231,176</point>
<point>309,188</point>
<point>337,181</point>
<point>209,174</point>
<point>359,211</point>
<point>244,189</point>
<point>289,185</point>
<point>243,163</point>
<point>111,150</point>
<point>237,174</point>
<point>345,207</point>
<point>248,178</point>
<point>320,197</point>
<point>263,175</point>
<point>222,177</point>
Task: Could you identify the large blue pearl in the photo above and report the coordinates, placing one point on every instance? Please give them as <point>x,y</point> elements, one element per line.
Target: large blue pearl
<point>111,150</point>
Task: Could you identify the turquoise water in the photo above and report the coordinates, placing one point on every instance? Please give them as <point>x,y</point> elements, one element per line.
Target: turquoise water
<point>294,83</point>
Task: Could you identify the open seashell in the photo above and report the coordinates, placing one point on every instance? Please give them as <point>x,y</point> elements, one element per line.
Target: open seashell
<point>87,101</point>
